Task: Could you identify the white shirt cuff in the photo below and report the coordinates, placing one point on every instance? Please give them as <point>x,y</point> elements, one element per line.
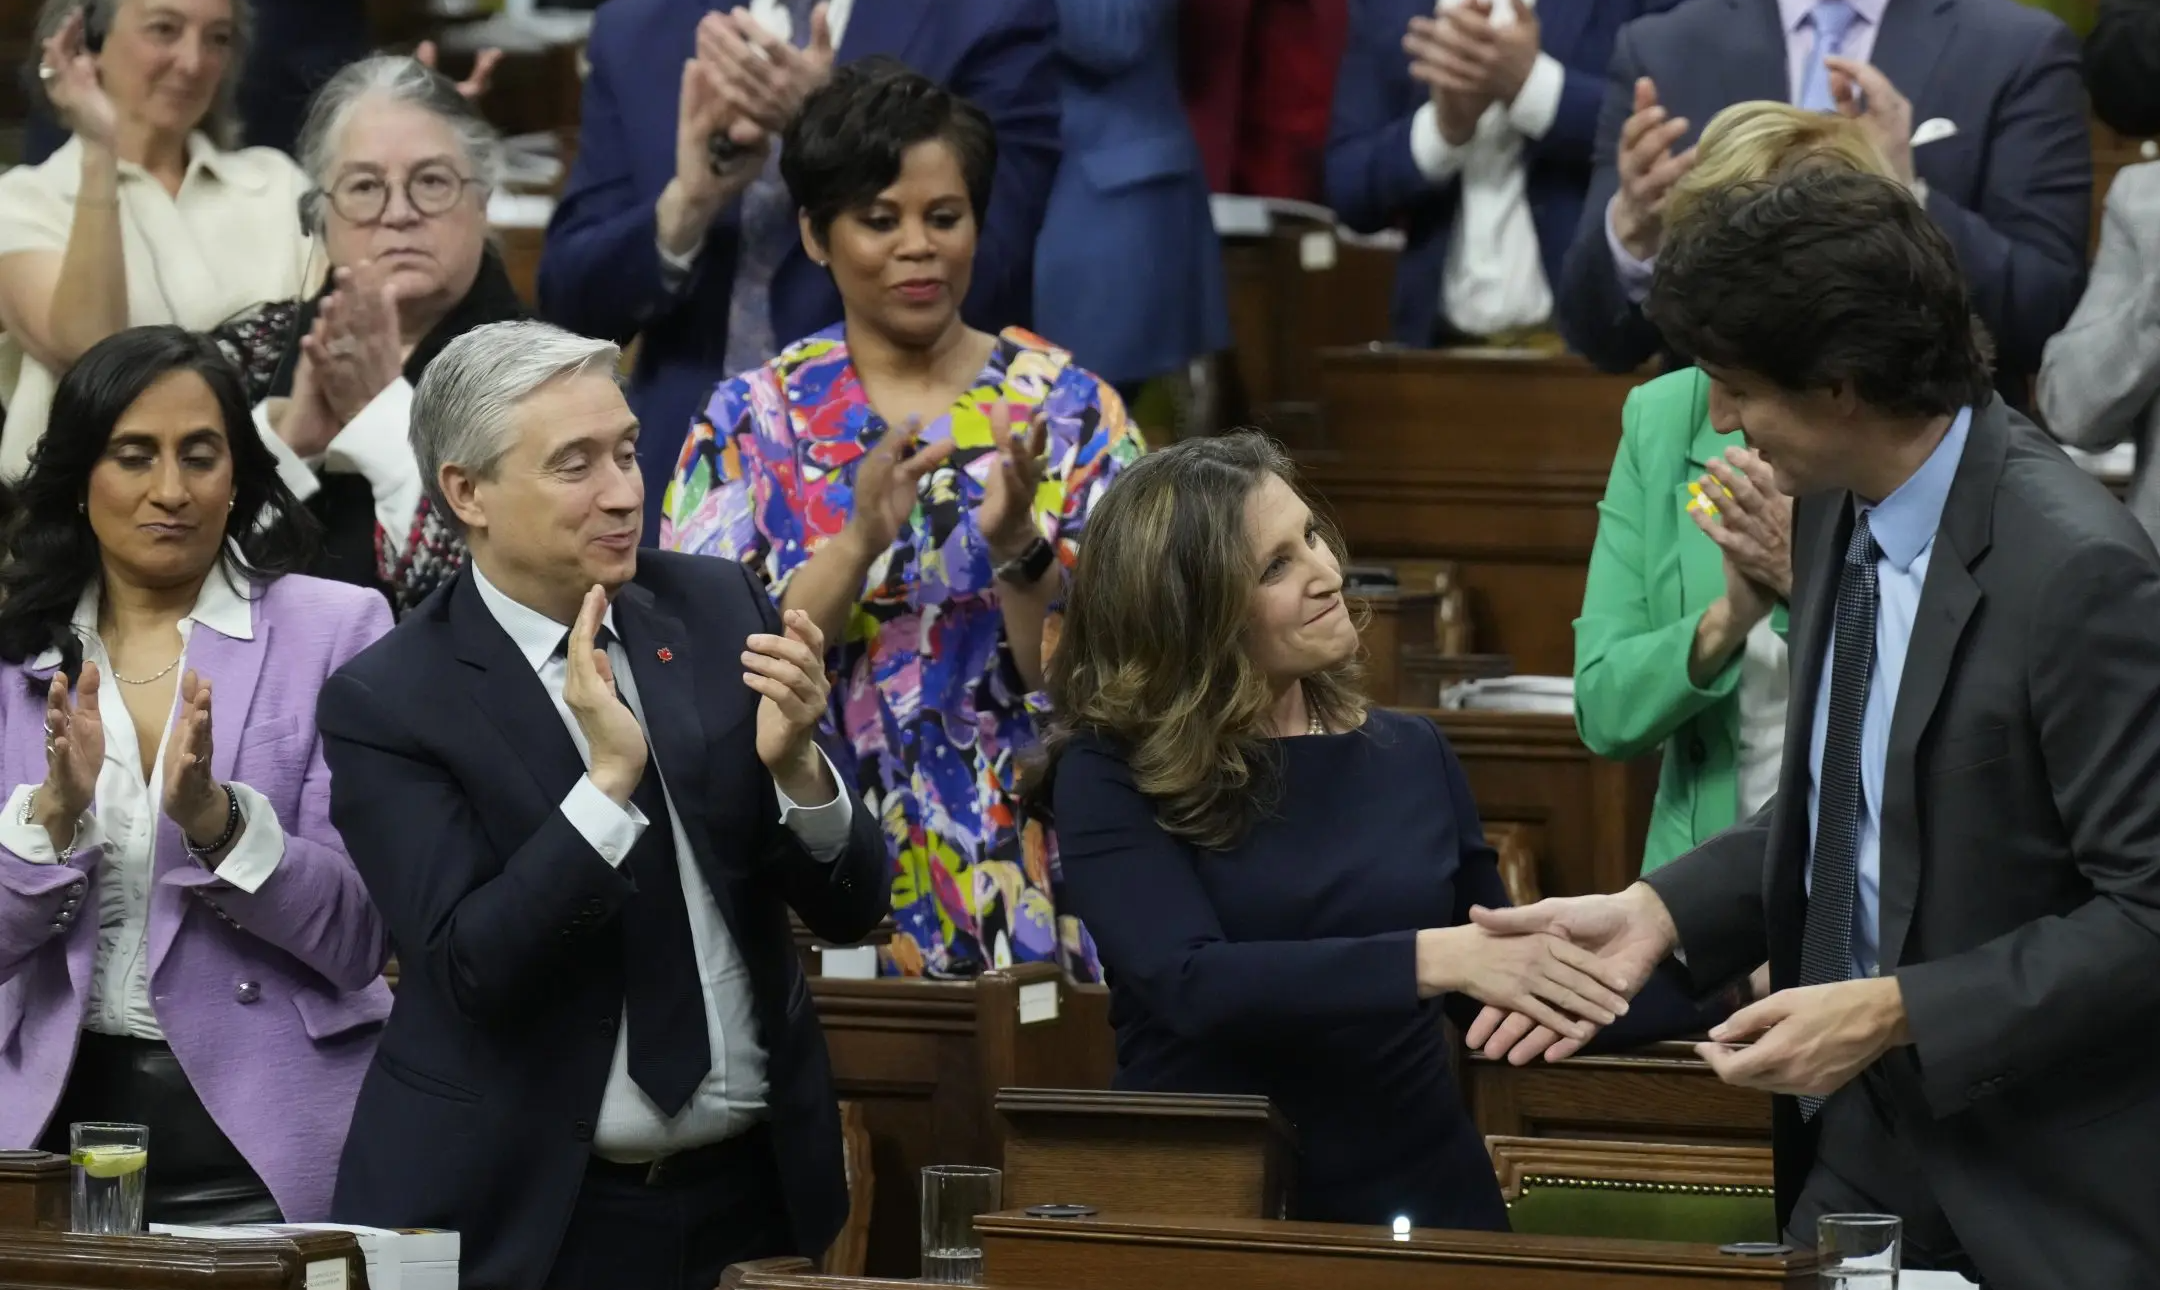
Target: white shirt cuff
<point>823,830</point>
<point>1634,274</point>
<point>612,830</point>
<point>261,845</point>
<point>377,444</point>
<point>1537,103</point>
<point>30,842</point>
<point>298,475</point>
<point>675,269</point>
<point>1436,158</point>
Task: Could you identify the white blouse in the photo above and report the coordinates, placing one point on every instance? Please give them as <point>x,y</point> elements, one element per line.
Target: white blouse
<point>125,818</point>
<point>230,240</point>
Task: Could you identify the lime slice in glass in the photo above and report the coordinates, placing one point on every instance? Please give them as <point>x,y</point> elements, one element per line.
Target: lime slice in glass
<point>111,1162</point>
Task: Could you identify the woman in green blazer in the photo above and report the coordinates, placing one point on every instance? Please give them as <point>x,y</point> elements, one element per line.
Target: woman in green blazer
<point>1677,645</point>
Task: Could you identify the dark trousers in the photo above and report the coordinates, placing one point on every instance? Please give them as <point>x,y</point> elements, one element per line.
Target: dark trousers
<point>676,1227</point>
<point>1864,1165</point>
<point>197,1176</point>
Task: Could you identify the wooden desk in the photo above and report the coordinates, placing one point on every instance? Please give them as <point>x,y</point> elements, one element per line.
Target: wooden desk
<point>1663,1093</point>
<point>1494,460</point>
<point>34,1191</point>
<point>924,1060</point>
<point>1214,1156</point>
<point>1588,814</point>
<point>59,1261</point>
<point>1293,293</point>
<point>1152,1252</point>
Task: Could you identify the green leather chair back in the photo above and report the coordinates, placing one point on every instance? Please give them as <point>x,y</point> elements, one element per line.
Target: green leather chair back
<point>1644,1211</point>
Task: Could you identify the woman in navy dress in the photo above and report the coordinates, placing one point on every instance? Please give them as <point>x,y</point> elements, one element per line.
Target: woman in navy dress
<point>1279,879</point>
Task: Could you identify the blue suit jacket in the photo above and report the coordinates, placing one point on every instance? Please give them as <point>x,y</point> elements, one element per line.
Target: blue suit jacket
<point>1131,198</point>
<point>600,272</point>
<point>2012,190</point>
<point>1373,183</point>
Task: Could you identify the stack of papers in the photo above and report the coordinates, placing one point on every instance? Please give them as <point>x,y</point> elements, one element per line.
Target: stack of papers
<point>1550,694</point>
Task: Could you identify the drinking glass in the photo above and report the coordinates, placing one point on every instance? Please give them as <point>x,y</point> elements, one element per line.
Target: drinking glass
<point>1858,1251</point>
<point>111,1163</point>
<point>952,1195</point>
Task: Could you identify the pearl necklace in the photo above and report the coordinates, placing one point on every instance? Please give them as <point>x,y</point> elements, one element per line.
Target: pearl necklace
<point>1316,728</point>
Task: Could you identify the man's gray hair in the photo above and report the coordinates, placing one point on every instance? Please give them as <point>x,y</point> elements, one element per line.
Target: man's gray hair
<point>400,80</point>
<point>464,412</point>
<point>223,123</point>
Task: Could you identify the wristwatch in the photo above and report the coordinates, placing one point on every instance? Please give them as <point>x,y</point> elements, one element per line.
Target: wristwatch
<point>1028,567</point>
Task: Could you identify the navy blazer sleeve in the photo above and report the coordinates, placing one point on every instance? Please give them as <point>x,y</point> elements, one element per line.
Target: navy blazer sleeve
<point>2023,249</point>
<point>1591,310</point>
<point>1112,36</point>
<point>1012,75</point>
<point>1369,174</point>
<point>491,929</point>
<point>1135,888</point>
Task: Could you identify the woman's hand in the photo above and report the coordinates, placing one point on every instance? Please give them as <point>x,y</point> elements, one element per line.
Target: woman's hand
<point>1539,975</point>
<point>886,482</point>
<point>303,420</point>
<point>354,346</point>
<point>1754,519</point>
<point>474,87</point>
<point>74,754</point>
<point>1005,516</point>
<point>193,799</point>
<point>70,74</point>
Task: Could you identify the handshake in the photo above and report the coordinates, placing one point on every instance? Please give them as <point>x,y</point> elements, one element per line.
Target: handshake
<point>1552,974</point>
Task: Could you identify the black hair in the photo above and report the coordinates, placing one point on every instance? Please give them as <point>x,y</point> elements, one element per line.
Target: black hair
<point>847,143</point>
<point>1820,278</point>
<point>2122,66</point>
<point>51,554</point>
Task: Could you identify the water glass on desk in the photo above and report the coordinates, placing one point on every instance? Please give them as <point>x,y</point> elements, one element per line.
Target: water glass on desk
<point>1858,1251</point>
<point>952,1195</point>
<point>111,1164</point>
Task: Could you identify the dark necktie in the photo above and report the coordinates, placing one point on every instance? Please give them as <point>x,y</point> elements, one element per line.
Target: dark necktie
<point>1826,952</point>
<point>663,987</point>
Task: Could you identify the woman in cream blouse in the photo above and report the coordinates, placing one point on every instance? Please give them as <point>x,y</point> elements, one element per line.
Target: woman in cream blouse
<point>149,214</point>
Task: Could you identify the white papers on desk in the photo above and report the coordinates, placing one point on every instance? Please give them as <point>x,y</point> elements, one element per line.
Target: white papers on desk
<point>410,1259</point>
<point>519,29</point>
<point>519,210</point>
<point>1241,216</point>
<point>1933,1281</point>
<point>1550,694</point>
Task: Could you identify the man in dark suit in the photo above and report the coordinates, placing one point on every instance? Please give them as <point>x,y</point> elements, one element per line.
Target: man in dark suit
<point>1410,144</point>
<point>701,260</point>
<point>581,786</point>
<point>2010,184</point>
<point>1957,886</point>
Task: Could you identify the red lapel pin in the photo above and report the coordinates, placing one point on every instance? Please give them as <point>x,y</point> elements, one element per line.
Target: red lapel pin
<point>666,655</point>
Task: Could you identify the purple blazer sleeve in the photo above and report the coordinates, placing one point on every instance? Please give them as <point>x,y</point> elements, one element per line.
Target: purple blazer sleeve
<point>314,905</point>
<point>38,902</point>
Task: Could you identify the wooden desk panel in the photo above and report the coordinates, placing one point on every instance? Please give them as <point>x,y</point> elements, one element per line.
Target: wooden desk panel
<point>1283,314</point>
<point>924,1059</point>
<point>1148,1252</point>
<point>1492,459</point>
<point>1532,769</point>
<point>1662,1094</point>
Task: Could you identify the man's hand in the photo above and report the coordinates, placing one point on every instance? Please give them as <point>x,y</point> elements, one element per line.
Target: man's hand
<point>1865,95</point>
<point>701,186</point>
<point>789,671</point>
<point>1648,171</point>
<point>1631,933</point>
<point>1448,78</point>
<point>1499,57</point>
<point>764,72</point>
<point>1812,1040</point>
<point>611,730</point>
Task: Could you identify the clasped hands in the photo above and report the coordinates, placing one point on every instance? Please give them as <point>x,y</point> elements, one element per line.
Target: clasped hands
<point>75,754</point>
<point>1808,1040</point>
<point>1469,62</point>
<point>745,83</point>
<point>787,671</point>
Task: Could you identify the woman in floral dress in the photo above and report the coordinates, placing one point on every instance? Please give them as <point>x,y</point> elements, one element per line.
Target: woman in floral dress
<point>920,488</point>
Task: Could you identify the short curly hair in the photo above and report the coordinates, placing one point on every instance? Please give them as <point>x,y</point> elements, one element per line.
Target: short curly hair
<point>847,143</point>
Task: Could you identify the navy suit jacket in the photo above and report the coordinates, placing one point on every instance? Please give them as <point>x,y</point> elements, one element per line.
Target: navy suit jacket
<point>1373,183</point>
<point>600,271</point>
<point>2012,190</point>
<point>1131,198</point>
<point>449,764</point>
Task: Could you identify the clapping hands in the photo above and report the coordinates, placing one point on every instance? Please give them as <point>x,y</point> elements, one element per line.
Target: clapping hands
<point>351,354</point>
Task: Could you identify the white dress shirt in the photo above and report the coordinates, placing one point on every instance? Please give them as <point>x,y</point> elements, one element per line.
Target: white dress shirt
<point>1494,280</point>
<point>375,445</point>
<point>125,816</point>
<point>732,1098</point>
<point>773,16</point>
<point>1763,689</point>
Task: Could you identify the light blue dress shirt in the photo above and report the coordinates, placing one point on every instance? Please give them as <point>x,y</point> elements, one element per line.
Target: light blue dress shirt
<point>1903,525</point>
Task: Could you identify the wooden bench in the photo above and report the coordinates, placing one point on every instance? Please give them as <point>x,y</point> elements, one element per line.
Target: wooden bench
<point>1663,1093</point>
<point>60,1261</point>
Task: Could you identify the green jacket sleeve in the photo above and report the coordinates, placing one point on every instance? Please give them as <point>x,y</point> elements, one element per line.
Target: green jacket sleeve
<point>1632,689</point>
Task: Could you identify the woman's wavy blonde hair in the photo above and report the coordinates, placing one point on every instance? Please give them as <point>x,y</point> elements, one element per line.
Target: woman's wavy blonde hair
<point>1763,139</point>
<point>1154,657</point>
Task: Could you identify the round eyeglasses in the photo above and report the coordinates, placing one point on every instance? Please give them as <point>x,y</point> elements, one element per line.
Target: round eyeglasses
<point>364,197</point>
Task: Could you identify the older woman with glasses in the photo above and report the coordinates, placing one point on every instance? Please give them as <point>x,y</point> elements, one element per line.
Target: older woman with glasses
<point>402,167</point>
<point>150,213</point>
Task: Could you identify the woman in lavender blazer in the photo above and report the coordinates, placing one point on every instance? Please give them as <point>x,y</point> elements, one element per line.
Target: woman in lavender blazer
<point>183,941</point>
